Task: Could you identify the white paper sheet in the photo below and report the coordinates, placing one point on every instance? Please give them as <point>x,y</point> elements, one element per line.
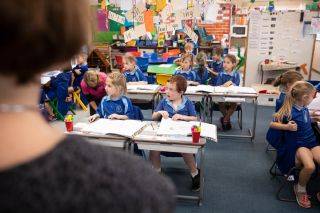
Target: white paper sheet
<point>150,87</point>
<point>116,127</point>
<point>170,127</point>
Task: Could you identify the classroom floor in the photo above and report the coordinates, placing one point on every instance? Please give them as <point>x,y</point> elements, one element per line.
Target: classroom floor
<point>237,172</point>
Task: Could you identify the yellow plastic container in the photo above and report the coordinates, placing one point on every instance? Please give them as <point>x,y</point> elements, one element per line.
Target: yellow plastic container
<point>162,79</point>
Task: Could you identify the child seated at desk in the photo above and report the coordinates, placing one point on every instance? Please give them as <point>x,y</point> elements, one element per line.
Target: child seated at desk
<point>177,107</point>
<point>228,78</point>
<point>132,72</point>
<point>115,105</point>
<point>79,70</point>
<point>203,72</point>
<point>217,63</point>
<point>304,151</point>
<point>186,70</point>
<point>188,50</point>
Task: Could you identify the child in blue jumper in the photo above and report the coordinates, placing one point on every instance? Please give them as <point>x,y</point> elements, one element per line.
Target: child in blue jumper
<point>79,70</point>
<point>115,105</point>
<point>203,72</point>
<point>132,72</point>
<point>301,148</point>
<point>186,70</point>
<point>177,107</point>
<point>228,78</point>
<point>217,64</point>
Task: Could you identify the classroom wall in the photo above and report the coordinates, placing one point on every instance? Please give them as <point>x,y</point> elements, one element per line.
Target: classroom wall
<point>316,62</point>
<point>279,4</point>
<point>222,26</point>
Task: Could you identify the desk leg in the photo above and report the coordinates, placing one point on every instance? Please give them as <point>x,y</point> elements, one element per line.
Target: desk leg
<point>201,195</point>
<point>255,101</point>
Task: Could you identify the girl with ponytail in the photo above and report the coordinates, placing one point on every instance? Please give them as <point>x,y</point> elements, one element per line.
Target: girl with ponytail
<point>300,146</point>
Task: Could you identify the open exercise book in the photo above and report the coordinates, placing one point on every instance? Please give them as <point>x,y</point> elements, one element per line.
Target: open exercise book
<point>126,128</point>
<point>149,87</point>
<point>171,127</point>
<point>212,89</point>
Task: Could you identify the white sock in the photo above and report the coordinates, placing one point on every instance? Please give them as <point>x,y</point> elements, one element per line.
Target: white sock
<point>158,170</point>
<point>193,174</point>
<point>301,189</point>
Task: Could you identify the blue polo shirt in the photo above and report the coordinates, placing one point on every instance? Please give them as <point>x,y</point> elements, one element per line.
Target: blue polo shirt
<point>224,77</point>
<point>202,78</point>
<point>78,78</point>
<point>120,106</point>
<point>189,74</point>
<point>217,66</point>
<point>185,108</point>
<point>135,75</point>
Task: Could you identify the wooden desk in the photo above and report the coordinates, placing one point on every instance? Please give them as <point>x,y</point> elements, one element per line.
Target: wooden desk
<point>144,95</point>
<point>275,66</point>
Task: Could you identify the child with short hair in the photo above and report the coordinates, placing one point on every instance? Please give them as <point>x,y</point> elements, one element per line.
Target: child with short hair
<point>203,72</point>
<point>304,151</point>
<point>115,105</point>
<point>186,70</point>
<point>228,78</point>
<point>80,69</point>
<point>217,63</point>
<point>132,72</point>
<point>177,107</point>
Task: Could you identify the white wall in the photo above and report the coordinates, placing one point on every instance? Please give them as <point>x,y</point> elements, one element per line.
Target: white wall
<point>279,4</point>
<point>316,62</point>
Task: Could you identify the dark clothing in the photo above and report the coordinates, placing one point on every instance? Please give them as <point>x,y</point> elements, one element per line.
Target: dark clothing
<point>77,176</point>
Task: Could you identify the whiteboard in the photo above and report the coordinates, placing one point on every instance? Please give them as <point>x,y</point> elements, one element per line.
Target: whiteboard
<point>276,36</point>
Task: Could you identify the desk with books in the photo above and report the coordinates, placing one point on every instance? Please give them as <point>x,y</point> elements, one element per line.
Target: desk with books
<point>144,92</point>
<point>170,136</point>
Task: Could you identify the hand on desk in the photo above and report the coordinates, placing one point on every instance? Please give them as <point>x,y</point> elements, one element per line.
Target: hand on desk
<point>117,117</point>
<point>93,118</point>
<point>227,84</point>
<point>164,114</point>
<point>177,117</point>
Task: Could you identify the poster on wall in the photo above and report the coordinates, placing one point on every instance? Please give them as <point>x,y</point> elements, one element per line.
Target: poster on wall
<point>115,17</point>
<point>315,25</point>
<point>102,20</point>
<point>192,35</point>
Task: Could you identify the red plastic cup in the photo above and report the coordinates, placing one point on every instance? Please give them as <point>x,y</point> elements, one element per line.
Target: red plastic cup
<point>195,137</point>
<point>69,126</point>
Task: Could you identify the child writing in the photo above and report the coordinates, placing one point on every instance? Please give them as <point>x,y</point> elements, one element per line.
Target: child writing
<point>217,63</point>
<point>228,78</point>
<point>177,107</point>
<point>203,72</point>
<point>132,72</point>
<point>186,70</point>
<point>304,150</point>
<point>115,105</point>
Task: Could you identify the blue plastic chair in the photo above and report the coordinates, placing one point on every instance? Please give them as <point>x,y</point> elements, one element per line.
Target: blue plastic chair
<point>171,59</point>
<point>143,63</point>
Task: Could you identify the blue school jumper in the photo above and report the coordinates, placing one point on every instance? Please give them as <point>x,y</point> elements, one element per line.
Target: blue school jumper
<point>202,78</point>
<point>275,136</point>
<point>224,77</point>
<point>120,106</point>
<point>217,66</point>
<point>135,75</point>
<point>189,75</point>
<point>78,78</point>
<point>185,108</point>
<point>303,137</point>
<point>59,86</point>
